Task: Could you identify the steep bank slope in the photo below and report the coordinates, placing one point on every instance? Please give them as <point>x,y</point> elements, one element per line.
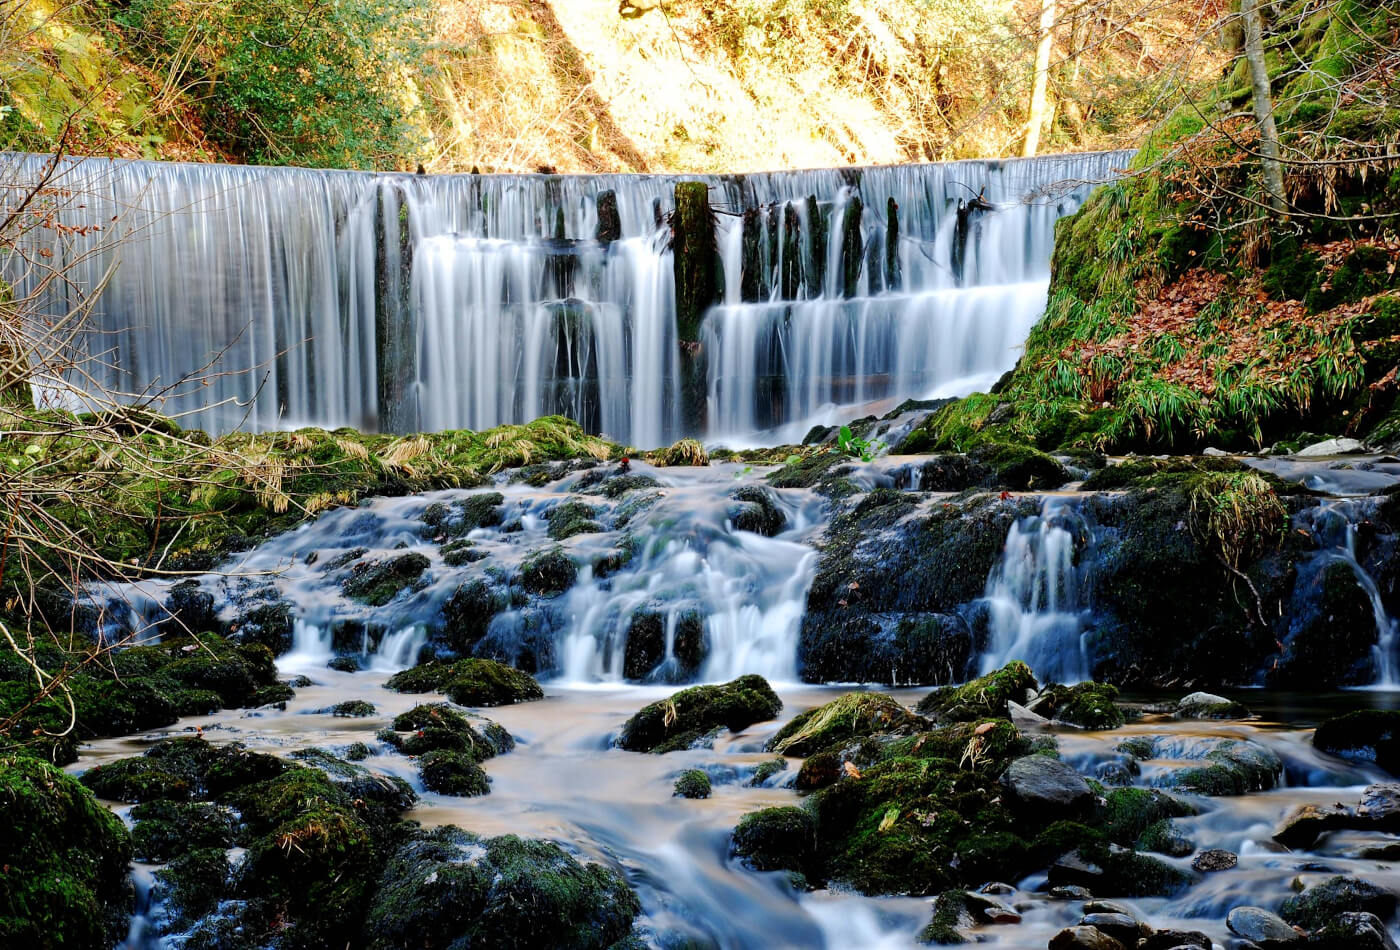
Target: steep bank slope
<point>1182,314</point>
<point>578,85</point>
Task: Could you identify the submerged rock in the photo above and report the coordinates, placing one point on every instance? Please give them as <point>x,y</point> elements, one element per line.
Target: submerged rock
<point>689,716</point>
<point>446,887</point>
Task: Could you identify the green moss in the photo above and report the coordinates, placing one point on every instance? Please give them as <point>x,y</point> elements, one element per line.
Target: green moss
<point>353,709</point>
<point>192,885</point>
<point>693,783</point>
<point>469,682</point>
<point>777,839</point>
<point>64,860</point>
<point>452,520</point>
<point>378,582</point>
<point>452,773</point>
<point>952,920</point>
<point>571,518</point>
<point>688,716</point>
<point>982,697</point>
<point>548,572</point>
<point>434,726</point>
<point>1090,705</point>
<point>1128,813</point>
<point>766,770</point>
<point>448,887</point>
<point>854,715</point>
<point>164,830</point>
<point>1320,903</point>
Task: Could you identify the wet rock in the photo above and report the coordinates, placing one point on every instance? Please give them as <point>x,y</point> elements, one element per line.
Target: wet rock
<point>1087,705</point>
<point>982,697</point>
<point>1328,630</point>
<point>1368,735</point>
<point>853,715</point>
<point>777,839</point>
<point>180,769</point>
<point>1023,718</point>
<point>456,518</point>
<point>766,770</point>
<point>446,887</point>
<point>1380,807</point>
<point>1175,940</point>
<point>358,783</point>
<point>952,923</point>
<point>377,582</point>
<point>1118,871</point>
<point>434,726</point>
<point>572,518</point>
<point>1230,767</point>
<point>644,656</point>
<point>989,910</point>
<point>688,716</point>
<point>1215,859</point>
<point>1353,931</point>
<point>1084,938</point>
<point>1340,446</point>
<point>467,614</point>
<point>1260,926</point>
<point>1163,837</point>
<point>449,772</point>
<point>1121,927</point>
<point>1306,823</point>
<point>548,572</point>
<point>469,682</point>
<point>1318,904</point>
<point>1209,706</point>
<point>1045,788</point>
<point>192,884</point>
<point>267,624</point>
<point>344,664</point>
<point>191,610</point>
<point>1069,892</point>
<point>353,709</point>
<point>692,783</point>
<point>65,861</point>
<point>755,508</point>
<point>164,830</point>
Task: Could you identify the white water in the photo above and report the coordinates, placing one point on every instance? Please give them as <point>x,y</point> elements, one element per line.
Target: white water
<point>1033,599</point>
<point>401,302</point>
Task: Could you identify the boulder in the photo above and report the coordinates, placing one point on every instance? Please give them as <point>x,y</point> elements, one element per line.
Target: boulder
<point>1353,931</point>
<point>1209,706</point>
<point>1368,735</point>
<point>1315,906</point>
<point>1302,826</point>
<point>1084,938</point>
<point>1045,788</point>
<point>1260,926</point>
<point>688,717</point>
<point>1121,927</point>
<point>782,838</point>
<point>1341,446</point>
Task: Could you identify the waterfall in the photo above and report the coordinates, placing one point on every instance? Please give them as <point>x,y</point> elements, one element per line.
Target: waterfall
<point>250,297</point>
<point>1033,598</point>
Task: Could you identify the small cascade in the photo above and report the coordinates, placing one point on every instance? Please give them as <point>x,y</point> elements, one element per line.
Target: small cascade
<point>261,298</point>
<point>1333,525</point>
<point>1034,600</point>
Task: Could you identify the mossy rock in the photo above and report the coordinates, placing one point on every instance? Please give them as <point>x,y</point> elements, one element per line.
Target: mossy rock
<point>1230,767</point>
<point>644,656</point>
<point>548,572</point>
<point>1021,467</point>
<point>449,772</point>
<point>952,920</point>
<point>164,830</point>
<point>354,709</point>
<point>469,682</point>
<point>377,794</point>
<point>777,839</point>
<point>755,508</point>
<point>460,516</point>
<point>193,883</point>
<point>692,783</point>
<point>1127,814</point>
<point>433,726</point>
<point>688,716</point>
<point>982,697</point>
<point>65,861</point>
<point>1088,705</point>
<point>450,888</point>
<point>467,615</point>
<point>1320,903</point>
<point>572,518</point>
<point>179,769</point>
<point>854,715</point>
<point>766,769</point>
<point>377,582</point>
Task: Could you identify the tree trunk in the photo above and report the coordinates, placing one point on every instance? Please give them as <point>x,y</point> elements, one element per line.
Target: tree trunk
<point>1263,104</point>
<point>1042,77</point>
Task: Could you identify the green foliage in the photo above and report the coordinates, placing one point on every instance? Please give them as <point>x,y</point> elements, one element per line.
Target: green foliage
<point>856,447</point>
<point>292,81</point>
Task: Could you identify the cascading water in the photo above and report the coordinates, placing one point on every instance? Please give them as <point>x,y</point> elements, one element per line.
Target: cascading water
<point>1033,598</point>
<point>278,297</point>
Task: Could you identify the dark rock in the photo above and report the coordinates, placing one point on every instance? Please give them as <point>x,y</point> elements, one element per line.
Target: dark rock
<point>548,572</point>
<point>1215,859</point>
<point>756,509</point>
<point>644,656</point>
<point>952,923</point>
<point>268,624</point>
<point>688,716</point>
<point>191,610</point>
<point>1353,931</point>
<point>982,697</point>
<point>1318,904</point>
<point>1368,735</point>
<point>1301,827</point>
<point>1083,938</point>
<point>1175,940</point>
<point>1045,788</point>
<point>1380,807</point>
<point>456,518</point>
<point>1069,892</point>
<point>467,614</point>
<point>344,664</point>
<point>1087,705</point>
<point>1260,926</point>
<point>377,582</point>
<point>1229,767</point>
<point>1121,927</point>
